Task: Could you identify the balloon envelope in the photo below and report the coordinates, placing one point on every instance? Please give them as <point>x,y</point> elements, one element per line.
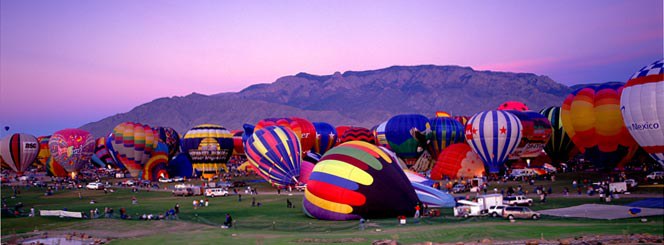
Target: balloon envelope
<point>535,132</point>
<point>559,145</point>
<point>171,138</point>
<point>209,147</point>
<point>326,137</point>
<point>445,131</point>
<point>132,145</point>
<point>72,148</point>
<point>357,133</point>
<point>407,135</point>
<point>493,135</point>
<point>19,151</point>
<point>642,105</point>
<point>44,152</point>
<point>275,152</point>
<point>458,161</point>
<point>513,105</point>
<point>102,153</point>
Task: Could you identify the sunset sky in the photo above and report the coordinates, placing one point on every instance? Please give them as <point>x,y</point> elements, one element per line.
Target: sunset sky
<point>67,63</point>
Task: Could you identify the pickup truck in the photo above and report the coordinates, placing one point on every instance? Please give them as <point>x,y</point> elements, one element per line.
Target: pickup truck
<point>517,201</point>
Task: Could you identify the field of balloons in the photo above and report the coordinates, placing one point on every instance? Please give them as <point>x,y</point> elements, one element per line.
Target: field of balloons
<point>347,169</point>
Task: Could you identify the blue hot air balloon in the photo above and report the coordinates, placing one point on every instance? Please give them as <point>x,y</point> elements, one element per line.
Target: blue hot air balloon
<point>326,137</point>
<point>493,135</point>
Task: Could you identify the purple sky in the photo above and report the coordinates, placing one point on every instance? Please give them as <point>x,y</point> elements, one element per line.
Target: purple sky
<point>66,63</point>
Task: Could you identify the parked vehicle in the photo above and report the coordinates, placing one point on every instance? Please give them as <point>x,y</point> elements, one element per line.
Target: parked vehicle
<point>517,201</point>
<point>183,192</point>
<point>657,175</point>
<point>178,179</point>
<point>489,200</point>
<point>631,183</point>
<point>467,208</point>
<point>128,183</point>
<point>520,212</point>
<point>458,188</point>
<point>95,186</point>
<point>495,211</point>
<point>215,192</point>
<point>165,180</point>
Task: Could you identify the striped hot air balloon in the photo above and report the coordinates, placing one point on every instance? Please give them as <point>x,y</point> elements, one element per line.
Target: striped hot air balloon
<point>44,152</point>
<point>275,152</point>
<point>357,133</point>
<point>642,105</point>
<point>326,137</point>
<point>132,144</point>
<point>493,135</point>
<point>209,146</point>
<point>445,131</point>
<point>19,151</point>
<point>559,145</point>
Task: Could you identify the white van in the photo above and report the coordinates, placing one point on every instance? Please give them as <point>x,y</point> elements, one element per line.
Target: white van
<point>215,192</point>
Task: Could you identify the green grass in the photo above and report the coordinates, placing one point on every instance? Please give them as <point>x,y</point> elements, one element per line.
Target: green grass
<point>274,223</point>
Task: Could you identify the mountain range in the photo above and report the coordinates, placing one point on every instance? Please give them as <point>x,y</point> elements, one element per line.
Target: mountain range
<point>357,98</point>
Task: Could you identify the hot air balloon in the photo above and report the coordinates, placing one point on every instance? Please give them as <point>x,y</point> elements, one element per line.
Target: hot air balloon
<point>102,154</point>
<point>513,105</point>
<point>493,135</point>
<point>591,117</point>
<point>462,119</point>
<point>55,169</point>
<point>132,144</point>
<point>72,148</point>
<point>306,168</point>
<point>408,136</point>
<point>209,147</point>
<point>326,137</point>
<point>156,167</point>
<point>303,128</point>
<point>44,152</point>
<point>171,138</point>
<point>445,131</point>
<point>180,166</point>
<point>559,145</point>
<point>357,133</point>
<point>642,105</point>
<point>458,161</point>
<point>379,135</point>
<point>238,145</point>
<point>275,152</point>
<point>358,180</point>
<point>19,151</point>
<point>535,132</point>
<point>340,132</point>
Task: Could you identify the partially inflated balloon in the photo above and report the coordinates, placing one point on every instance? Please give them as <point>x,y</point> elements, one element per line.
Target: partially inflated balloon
<point>445,131</point>
<point>19,151</point>
<point>535,132</point>
<point>171,138</point>
<point>44,152</point>
<point>591,117</point>
<point>559,145</point>
<point>513,105</point>
<point>358,180</point>
<point>493,135</point>
<point>275,152</point>
<point>209,147</point>
<point>326,137</point>
<point>642,104</point>
<point>408,136</point>
<point>357,133</point>
<point>72,148</point>
<point>458,161</point>
<point>132,145</point>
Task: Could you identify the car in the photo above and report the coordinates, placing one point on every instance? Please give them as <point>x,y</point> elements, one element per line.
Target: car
<point>165,180</point>
<point>517,201</point>
<point>657,175</point>
<point>183,192</point>
<point>178,179</point>
<point>39,184</point>
<point>459,188</point>
<point>95,186</point>
<point>496,211</point>
<point>128,182</point>
<point>520,212</point>
<point>215,192</point>
<point>301,187</point>
<point>631,183</point>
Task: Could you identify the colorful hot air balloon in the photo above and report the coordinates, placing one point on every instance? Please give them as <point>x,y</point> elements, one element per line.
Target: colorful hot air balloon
<point>493,135</point>
<point>156,167</point>
<point>306,168</point>
<point>340,132</point>
<point>19,151</point>
<point>209,147</point>
<point>305,131</point>
<point>132,144</point>
<point>44,152</point>
<point>55,169</point>
<point>379,135</point>
<point>458,161</point>
<point>559,145</point>
<point>357,133</point>
<point>642,105</point>
<point>591,117</point>
<point>445,131</point>
<point>170,138</point>
<point>275,152</point>
<point>326,137</point>
<point>408,136</point>
<point>535,132</point>
<point>358,180</point>
<point>72,148</point>
<point>513,105</point>
<point>462,119</point>
<point>102,153</point>
<point>238,145</point>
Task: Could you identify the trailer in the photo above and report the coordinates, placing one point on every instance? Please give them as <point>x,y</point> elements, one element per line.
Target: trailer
<point>489,200</point>
<point>467,208</point>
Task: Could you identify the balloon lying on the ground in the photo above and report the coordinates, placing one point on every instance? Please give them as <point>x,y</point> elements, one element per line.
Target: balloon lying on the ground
<point>591,117</point>
<point>414,177</point>
<point>156,167</point>
<point>44,152</point>
<point>171,138</point>
<point>559,144</point>
<point>408,136</point>
<point>72,148</point>
<point>326,137</point>
<point>535,132</point>
<point>306,168</point>
<point>642,105</point>
<point>275,152</point>
<point>19,151</point>
<point>513,105</point>
<point>53,168</point>
<point>445,131</point>
<point>457,161</point>
<point>493,135</point>
<point>238,145</point>
<point>102,156</point>
<point>358,133</point>
<point>209,146</point>
<point>132,144</point>
<point>180,166</point>
<point>358,180</point>
<point>427,194</point>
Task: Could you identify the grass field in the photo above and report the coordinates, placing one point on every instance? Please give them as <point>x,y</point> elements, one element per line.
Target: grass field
<point>274,223</point>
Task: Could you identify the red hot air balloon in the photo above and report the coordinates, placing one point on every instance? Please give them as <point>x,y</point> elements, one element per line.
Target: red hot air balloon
<point>19,151</point>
